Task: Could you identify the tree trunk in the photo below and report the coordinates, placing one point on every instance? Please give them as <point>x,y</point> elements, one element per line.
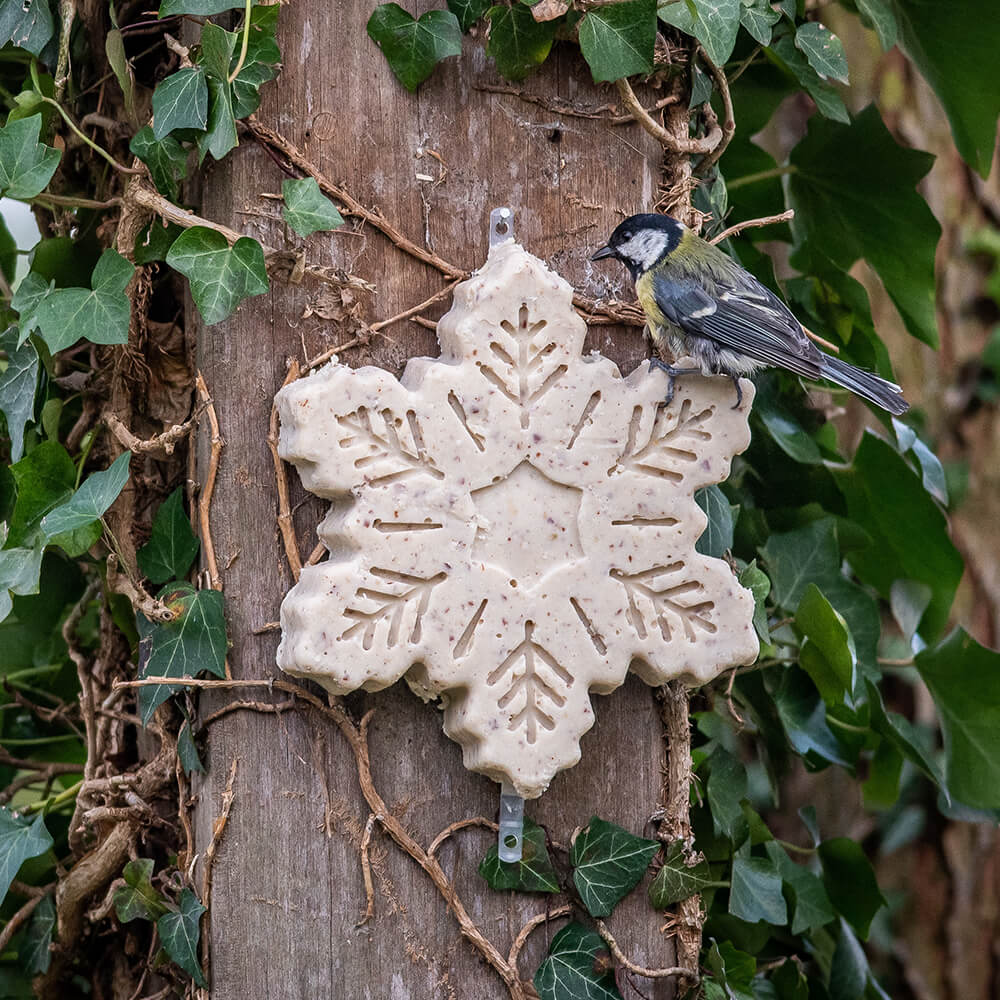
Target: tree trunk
<point>288,888</point>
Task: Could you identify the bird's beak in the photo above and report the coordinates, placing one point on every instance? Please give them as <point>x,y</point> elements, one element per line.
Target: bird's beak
<point>603,253</point>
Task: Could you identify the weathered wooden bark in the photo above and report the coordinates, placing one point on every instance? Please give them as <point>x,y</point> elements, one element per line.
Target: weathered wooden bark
<point>288,888</point>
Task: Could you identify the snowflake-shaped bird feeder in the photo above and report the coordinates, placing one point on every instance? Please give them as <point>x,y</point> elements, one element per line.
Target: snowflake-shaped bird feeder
<point>513,525</point>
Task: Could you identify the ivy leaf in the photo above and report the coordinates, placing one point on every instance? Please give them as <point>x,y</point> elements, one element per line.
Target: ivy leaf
<point>101,315</point>
<point>20,838</point>
<point>187,752</point>
<point>676,880</point>
<point>414,46</point>
<point>221,276</point>
<point>812,906</point>
<point>756,581</point>
<point>166,159</point>
<point>533,873</point>
<point>180,101</point>
<point>828,653</point>
<point>216,54</point>
<point>35,955</point>
<point>727,788</point>
<point>90,501</point>
<point>307,210</point>
<point>607,864</point>
<point>195,640</point>
<point>759,20</point>
<point>823,49</point>
<point>26,24</point>
<point>715,23</point>
<point>200,8</point>
<point>468,11</point>
<point>262,57</point>
<point>617,39</point>
<point>828,101</point>
<point>732,972</point>
<point>172,545</point>
<point>887,499</point>
<point>154,241</point>
<point>18,382</point>
<point>931,470</point>
<point>898,730</point>
<point>803,716</point>
<point>570,970</point>
<point>755,893</point>
<point>518,43</point>
<point>717,538</point>
<point>114,48</point>
<point>138,899</point>
<point>26,165</point>
<point>964,679</point>
<point>850,882</point>
<point>882,18</point>
<point>853,189</point>
<point>951,53</point>
<point>179,933</point>
<point>19,572</point>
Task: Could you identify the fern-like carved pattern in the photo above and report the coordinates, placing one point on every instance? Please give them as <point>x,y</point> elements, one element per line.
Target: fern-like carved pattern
<point>520,373</point>
<point>669,611</point>
<point>532,683</point>
<point>674,440</point>
<point>389,449</point>
<point>391,607</point>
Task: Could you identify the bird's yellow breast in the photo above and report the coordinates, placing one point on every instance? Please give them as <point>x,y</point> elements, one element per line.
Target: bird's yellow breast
<point>644,291</point>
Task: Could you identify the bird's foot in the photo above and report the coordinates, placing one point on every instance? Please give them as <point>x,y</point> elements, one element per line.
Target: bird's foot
<point>739,392</point>
<point>672,374</point>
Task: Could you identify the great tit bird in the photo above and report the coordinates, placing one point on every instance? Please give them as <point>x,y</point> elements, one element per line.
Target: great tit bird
<point>700,302</point>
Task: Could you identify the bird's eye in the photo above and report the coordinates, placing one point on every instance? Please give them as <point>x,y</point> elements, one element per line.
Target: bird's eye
<point>627,235</point>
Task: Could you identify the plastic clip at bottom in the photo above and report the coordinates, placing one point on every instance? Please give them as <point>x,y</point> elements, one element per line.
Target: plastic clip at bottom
<point>510,838</point>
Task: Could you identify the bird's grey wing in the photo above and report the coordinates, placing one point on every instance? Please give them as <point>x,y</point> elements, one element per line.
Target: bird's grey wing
<point>741,314</point>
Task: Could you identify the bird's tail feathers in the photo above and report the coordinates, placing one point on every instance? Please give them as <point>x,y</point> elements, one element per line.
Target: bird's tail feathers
<point>866,384</point>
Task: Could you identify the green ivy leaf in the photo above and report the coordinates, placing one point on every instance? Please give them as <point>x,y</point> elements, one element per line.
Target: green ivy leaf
<point>263,56</point>
<point>617,39</point>
<point>35,955</point>
<point>898,730</point>
<point>756,581</point>
<point>172,545</point>
<point>880,789</point>
<point>828,101</point>
<point>828,653</point>
<point>676,880</point>
<point>732,972</point>
<point>154,241</point>
<point>880,15</point>
<point>114,48</point>
<point>887,499</point>
<point>755,893</point>
<point>26,165</point>
<point>20,838</point>
<point>533,873</point>
<point>216,55</point>
<point>853,191</point>
<point>803,716</point>
<point>187,752</point>
<point>179,933</point>
<point>414,46</point>
<point>570,971</point>
<point>166,159</point>
<point>90,501</point>
<point>221,276</point>
<point>192,642</point>
<point>850,882</point>
<point>19,572</point>
<point>727,788</point>
<point>715,23</point>
<point>931,470</point>
<point>518,43</point>
<point>200,8</point>
<point>65,315</point>
<point>468,11</point>
<point>717,538</point>
<point>307,210</point>
<point>26,24</point>
<point>811,904</point>
<point>759,20</point>
<point>951,52</point>
<point>964,679</point>
<point>180,101</point>
<point>18,382</point>
<point>823,49</point>
<point>138,899</point>
<point>607,864</point>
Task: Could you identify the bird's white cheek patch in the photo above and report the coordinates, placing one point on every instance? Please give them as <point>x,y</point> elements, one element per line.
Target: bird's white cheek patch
<point>514,525</point>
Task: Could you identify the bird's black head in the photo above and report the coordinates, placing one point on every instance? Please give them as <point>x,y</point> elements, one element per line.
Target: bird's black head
<point>641,241</point>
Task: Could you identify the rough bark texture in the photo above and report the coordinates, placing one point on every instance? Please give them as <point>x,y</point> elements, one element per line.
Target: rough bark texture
<point>287,887</point>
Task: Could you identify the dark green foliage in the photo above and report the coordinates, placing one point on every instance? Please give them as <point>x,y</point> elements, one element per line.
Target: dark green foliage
<point>173,545</point>
<point>571,970</point>
<point>533,873</point>
<point>414,46</point>
<point>617,39</point>
<point>607,864</point>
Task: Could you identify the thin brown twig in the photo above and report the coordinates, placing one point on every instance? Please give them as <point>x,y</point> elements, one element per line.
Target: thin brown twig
<point>461,824</point>
<point>728,124</point>
<point>366,872</point>
<point>321,359</point>
<point>766,220</point>
<point>271,707</point>
<point>160,446</point>
<point>285,524</point>
<point>620,957</point>
<point>606,113</point>
<point>205,499</point>
<point>218,829</point>
<point>705,144</point>
<point>536,921</point>
<point>407,313</point>
<point>317,553</point>
<point>87,705</point>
